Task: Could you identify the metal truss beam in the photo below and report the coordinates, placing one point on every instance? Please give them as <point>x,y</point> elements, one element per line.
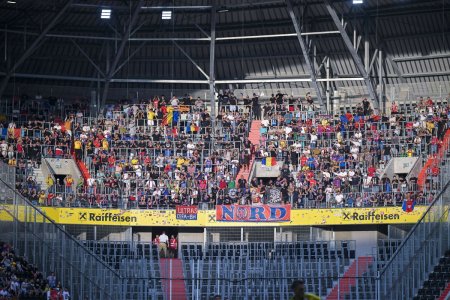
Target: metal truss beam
<point>129,57</point>
<point>119,52</point>
<point>193,81</point>
<point>354,54</point>
<point>88,58</point>
<point>36,43</point>
<point>191,60</point>
<point>305,53</point>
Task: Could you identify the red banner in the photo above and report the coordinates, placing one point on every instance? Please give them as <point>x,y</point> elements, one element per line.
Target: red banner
<point>248,213</point>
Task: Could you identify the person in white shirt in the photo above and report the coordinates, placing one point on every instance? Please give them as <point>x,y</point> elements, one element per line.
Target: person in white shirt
<point>339,197</point>
<point>66,294</point>
<point>163,239</point>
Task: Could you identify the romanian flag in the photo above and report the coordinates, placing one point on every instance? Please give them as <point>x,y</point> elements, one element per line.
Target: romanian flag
<point>269,161</point>
<point>408,205</point>
<point>175,116</point>
<point>168,117</point>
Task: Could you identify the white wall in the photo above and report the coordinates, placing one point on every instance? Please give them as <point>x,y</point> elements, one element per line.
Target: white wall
<point>365,240</point>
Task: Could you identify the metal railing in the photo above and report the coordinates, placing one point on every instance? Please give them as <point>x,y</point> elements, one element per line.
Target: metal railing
<point>49,247</point>
<point>411,264</point>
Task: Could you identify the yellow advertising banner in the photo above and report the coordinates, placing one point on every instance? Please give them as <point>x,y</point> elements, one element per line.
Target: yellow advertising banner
<point>207,218</point>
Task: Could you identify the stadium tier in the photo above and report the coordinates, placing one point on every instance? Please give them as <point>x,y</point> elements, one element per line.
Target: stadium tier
<point>224,150</point>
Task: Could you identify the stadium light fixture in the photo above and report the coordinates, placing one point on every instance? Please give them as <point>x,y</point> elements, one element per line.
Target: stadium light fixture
<point>11,2</point>
<point>166,15</point>
<point>106,13</point>
<point>358,1</point>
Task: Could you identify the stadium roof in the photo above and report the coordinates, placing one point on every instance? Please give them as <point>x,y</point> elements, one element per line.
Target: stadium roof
<point>67,43</point>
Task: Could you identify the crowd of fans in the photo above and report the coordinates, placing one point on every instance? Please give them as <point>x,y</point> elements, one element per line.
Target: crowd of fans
<point>339,161</point>
<point>166,152</point>
<point>21,280</point>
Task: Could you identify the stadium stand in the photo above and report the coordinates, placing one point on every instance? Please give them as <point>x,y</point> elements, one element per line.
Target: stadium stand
<point>280,154</point>
<point>131,161</point>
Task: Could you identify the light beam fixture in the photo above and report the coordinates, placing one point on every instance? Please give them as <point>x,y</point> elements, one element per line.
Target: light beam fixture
<point>106,13</point>
<point>166,15</point>
<point>358,1</point>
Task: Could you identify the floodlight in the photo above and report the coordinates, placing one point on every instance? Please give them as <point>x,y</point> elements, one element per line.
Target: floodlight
<point>166,15</point>
<point>358,1</point>
<point>11,2</point>
<point>106,13</point>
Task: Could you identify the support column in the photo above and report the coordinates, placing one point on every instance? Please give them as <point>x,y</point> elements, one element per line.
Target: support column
<point>302,43</point>
<point>352,50</point>
<point>366,46</point>
<point>380,80</point>
<point>119,52</point>
<point>212,75</point>
<point>36,43</point>
<point>328,92</point>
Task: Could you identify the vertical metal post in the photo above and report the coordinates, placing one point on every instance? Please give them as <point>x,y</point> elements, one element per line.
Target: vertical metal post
<point>204,239</point>
<point>119,51</point>
<point>366,47</point>
<point>380,81</point>
<point>242,234</point>
<point>170,279</point>
<point>328,94</point>
<point>212,75</point>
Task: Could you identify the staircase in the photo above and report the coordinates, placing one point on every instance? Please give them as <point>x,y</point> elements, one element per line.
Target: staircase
<point>345,284</point>
<point>172,278</point>
<point>253,137</point>
<point>437,286</point>
<point>445,293</point>
<point>40,179</point>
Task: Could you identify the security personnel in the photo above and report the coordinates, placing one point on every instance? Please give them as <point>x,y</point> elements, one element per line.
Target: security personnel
<point>173,246</point>
<point>298,286</point>
<point>156,240</point>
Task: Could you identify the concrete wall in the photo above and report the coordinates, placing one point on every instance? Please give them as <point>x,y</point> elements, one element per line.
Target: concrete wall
<point>399,165</point>
<point>365,240</point>
<point>63,166</point>
<point>268,172</point>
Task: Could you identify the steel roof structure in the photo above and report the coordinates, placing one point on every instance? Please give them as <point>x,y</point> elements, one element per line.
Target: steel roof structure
<point>319,45</point>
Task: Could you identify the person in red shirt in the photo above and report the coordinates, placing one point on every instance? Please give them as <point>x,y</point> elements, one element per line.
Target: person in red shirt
<point>371,171</point>
<point>435,175</point>
<point>156,240</point>
<point>173,246</point>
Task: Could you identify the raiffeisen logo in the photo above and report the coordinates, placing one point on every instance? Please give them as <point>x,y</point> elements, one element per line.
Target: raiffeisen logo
<point>105,217</point>
<point>370,216</point>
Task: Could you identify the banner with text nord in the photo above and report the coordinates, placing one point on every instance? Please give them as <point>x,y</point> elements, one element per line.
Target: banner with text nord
<point>248,213</point>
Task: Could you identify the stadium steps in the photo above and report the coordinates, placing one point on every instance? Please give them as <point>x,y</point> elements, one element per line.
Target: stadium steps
<point>39,176</point>
<point>437,286</point>
<point>445,292</point>
<point>177,289</point>
<point>254,138</point>
<point>344,285</point>
<point>434,159</point>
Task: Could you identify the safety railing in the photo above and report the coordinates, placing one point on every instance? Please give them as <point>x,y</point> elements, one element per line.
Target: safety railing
<point>49,247</point>
<point>410,265</point>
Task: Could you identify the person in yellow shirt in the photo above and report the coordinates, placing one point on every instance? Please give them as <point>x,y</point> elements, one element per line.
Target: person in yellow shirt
<point>298,286</point>
<point>50,182</point>
<point>77,147</point>
<point>42,198</point>
<point>150,117</point>
<point>105,144</point>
